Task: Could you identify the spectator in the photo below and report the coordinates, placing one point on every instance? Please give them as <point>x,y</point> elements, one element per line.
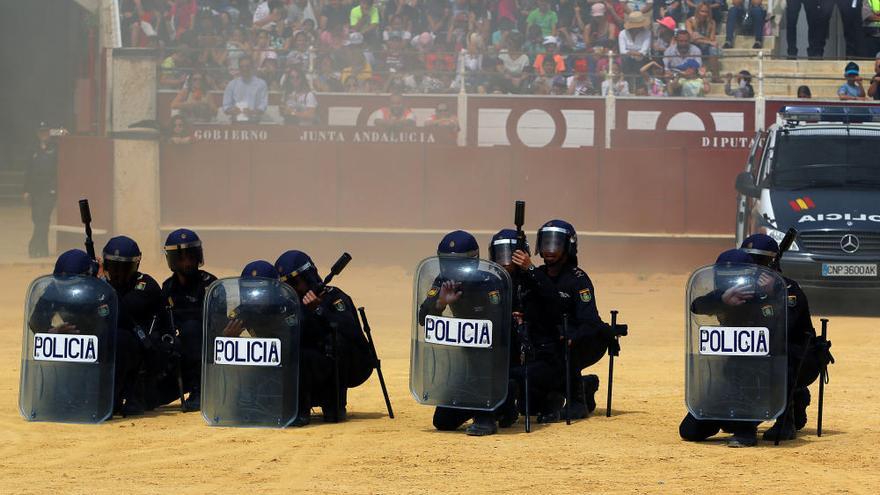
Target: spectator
<point>298,51</point>
<point>236,48</point>
<point>299,104</point>
<point>874,89</point>
<point>146,24</point>
<point>688,83</point>
<point>599,32</point>
<point>270,72</point>
<point>749,19</point>
<point>326,80</point>
<point>472,63</point>
<point>262,50</point>
<point>438,13</point>
<point>364,19</point>
<point>544,18</point>
<point>247,96</point>
<point>804,92</point>
<point>716,9</point>
<point>443,118</point>
<point>701,28</point>
<point>267,13</point>
<point>870,27</point>
<point>175,68</point>
<point>396,28</point>
<point>507,9</point>
<point>743,88</point>
<point>635,43</point>
<point>550,54</point>
<point>299,12</point>
<point>543,82</point>
<point>501,37</point>
<point>193,100</point>
<point>396,115</point>
<point>616,12</point>
<point>653,79</point>
<point>580,84</point>
<point>356,67</point>
<point>40,187</point>
<point>182,15</point>
<point>667,8</point>
<point>664,34</point>
<point>515,62</point>
<point>333,15</point>
<point>852,89</point>
<point>851,18</point>
<point>534,44</point>
<point>180,132</point>
<point>617,84</point>
<point>682,50</point>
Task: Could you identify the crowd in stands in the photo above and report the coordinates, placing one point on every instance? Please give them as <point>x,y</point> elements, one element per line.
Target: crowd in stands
<point>298,47</point>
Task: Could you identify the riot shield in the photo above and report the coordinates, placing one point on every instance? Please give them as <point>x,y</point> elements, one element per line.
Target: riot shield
<point>68,350</point>
<point>736,352</point>
<point>250,360</point>
<point>461,351</point>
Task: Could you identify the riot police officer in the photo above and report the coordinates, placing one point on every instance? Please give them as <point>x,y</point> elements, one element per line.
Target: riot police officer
<point>332,342</point>
<point>536,348</point>
<point>139,299</point>
<point>587,334</point>
<point>184,294</point>
<point>803,345</point>
<point>475,298</point>
<point>71,263</point>
<point>41,182</point>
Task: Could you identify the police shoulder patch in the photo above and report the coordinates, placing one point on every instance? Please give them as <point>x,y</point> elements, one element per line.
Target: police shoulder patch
<point>339,305</point>
<point>103,310</point>
<point>767,310</point>
<point>586,295</point>
<point>291,320</point>
<point>792,301</point>
<point>494,297</point>
<point>433,291</point>
<point>141,285</point>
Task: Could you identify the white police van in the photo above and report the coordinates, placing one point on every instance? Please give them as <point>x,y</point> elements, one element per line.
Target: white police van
<point>818,170</point>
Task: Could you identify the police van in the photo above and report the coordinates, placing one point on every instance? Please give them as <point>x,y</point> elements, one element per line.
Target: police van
<point>818,170</point>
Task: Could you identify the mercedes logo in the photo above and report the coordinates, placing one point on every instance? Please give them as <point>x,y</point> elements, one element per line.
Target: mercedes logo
<point>849,243</point>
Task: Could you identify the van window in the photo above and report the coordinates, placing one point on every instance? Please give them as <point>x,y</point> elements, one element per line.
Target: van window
<point>813,159</point>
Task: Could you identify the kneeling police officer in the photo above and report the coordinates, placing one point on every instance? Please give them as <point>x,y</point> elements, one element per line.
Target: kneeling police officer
<point>332,342</point>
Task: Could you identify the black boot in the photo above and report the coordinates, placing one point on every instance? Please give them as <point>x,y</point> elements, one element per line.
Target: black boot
<point>799,407</point>
<point>577,406</point>
<point>484,424</point>
<point>334,411</point>
<point>551,410</point>
<point>134,396</point>
<point>507,413</point>
<point>193,403</point>
<point>591,386</point>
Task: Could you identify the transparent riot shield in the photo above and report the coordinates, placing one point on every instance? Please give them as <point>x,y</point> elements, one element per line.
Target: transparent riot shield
<point>68,350</point>
<point>736,353</point>
<point>461,351</point>
<point>250,364</point>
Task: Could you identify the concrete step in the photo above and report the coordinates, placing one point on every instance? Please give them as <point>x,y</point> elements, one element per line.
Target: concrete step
<point>786,89</point>
<point>743,42</point>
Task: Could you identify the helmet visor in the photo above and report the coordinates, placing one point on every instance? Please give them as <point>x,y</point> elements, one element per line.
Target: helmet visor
<point>502,251</point>
<point>119,273</point>
<point>553,240</point>
<point>185,261</point>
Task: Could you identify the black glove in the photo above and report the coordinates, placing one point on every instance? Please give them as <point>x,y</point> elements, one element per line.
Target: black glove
<point>619,330</point>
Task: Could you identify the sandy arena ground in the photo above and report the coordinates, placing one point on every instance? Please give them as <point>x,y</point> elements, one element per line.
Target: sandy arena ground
<point>636,451</point>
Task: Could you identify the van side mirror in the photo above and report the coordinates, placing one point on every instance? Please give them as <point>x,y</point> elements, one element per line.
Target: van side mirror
<point>745,185</point>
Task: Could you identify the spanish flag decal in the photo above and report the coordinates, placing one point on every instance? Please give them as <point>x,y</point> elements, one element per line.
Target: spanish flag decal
<point>801,204</point>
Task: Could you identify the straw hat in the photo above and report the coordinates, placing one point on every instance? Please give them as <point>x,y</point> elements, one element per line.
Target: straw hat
<point>636,20</point>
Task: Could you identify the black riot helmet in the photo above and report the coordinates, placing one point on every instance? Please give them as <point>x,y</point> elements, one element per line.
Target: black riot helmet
<point>183,252</point>
<point>558,236</point>
<point>459,255</point>
<point>297,269</point>
<point>735,268</point>
<point>122,257</point>
<point>503,245</point>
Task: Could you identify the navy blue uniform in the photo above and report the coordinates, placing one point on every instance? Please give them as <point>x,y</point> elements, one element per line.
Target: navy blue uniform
<point>139,303</point>
<point>186,303</point>
<point>41,183</point>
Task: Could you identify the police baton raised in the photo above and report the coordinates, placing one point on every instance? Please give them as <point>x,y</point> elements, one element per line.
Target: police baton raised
<point>85,214</point>
<point>369,333</point>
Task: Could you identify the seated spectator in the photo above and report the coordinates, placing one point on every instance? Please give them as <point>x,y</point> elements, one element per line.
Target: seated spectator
<point>180,132</point>
<point>333,14</point>
<point>534,44</point>
<point>396,115</point>
<point>681,50</point>
<point>443,118</point>
<point>471,62</point>
<point>568,26</point>
<point>395,28</point>
<point>852,89</point>
<point>175,68</point>
<point>653,79</point>
<point>743,87</point>
<point>750,19</point>
<point>270,72</point>
<point>146,24</point>
<point>193,100</point>
<point>716,9</point>
<point>439,16</point>
<point>616,12</point>
<point>543,82</point>
<point>870,28</point>
<point>458,32</point>
<point>676,9</point>
<point>634,43</point>
<point>334,38</point>
<point>299,104</point>
<point>515,62</point>
<point>617,85</point>
<point>393,59</point>
<point>299,12</point>
<point>687,82</point>
<point>247,96</point>
<point>507,9</point>
<point>664,33</point>
<point>327,79</point>
<point>804,92</point>
<point>580,84</point>
<point>356,67</point>
<point>501,38</point>
<point>236,48</point>
<point>599,32</point>
<point>262,50</point>
<point>551,43</point>
<point>874,89</point>
<point>182,14</point>
<point>544,18</point>
<point>364,19</point>
<point>268,13</point>
<point>701,28</point>
<point>298,51</point>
